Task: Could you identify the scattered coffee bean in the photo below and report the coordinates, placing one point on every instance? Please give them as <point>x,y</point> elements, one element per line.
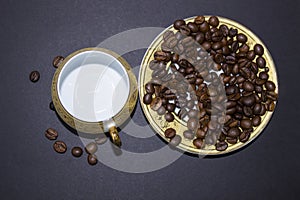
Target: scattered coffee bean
<point>91,148</point>
<point>51,134</point>
<point>221,146</point>
<point>258,49</point>
<point>77,151</point>
<point>57,61</point>
<point>270,86</point>
<point>170,133</point>
<point>198,143</point>
<point>92,159</point>
<point>175,141</point>
<point>60,147</point>
<point>34,76</point>
<point>169,117</point>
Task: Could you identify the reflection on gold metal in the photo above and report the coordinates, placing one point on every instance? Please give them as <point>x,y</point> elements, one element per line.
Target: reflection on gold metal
<point>95,127</point>
<point>179,125</point>
<point>115,136</point>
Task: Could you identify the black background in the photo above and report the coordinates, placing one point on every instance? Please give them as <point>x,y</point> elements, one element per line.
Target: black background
<point>33,32</point>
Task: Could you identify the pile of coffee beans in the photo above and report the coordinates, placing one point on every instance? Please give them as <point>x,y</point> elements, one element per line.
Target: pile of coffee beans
<point>206,74</point>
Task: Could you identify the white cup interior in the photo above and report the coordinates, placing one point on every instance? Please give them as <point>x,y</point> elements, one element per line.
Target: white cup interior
<point>93,86</point>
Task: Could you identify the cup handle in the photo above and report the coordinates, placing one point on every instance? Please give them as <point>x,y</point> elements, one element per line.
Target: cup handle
<point>115,136</point>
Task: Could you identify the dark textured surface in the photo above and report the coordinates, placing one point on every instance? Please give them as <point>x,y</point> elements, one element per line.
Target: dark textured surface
<point>33,32</point>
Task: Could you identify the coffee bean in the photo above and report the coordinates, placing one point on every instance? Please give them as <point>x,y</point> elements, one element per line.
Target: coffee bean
<point>175,141</point>
<point>162,56</point>
<point>200,133</point>
<point>169,117</point>
<point>204,27</point>
<point>193,27</point>
<point>244,136</point>
<point>234,46</point>
<point>256,121</point>
<point>271,106</point>
<point>92,159</point>
<point>219,58</point>
<point>250,55</point>
<point>270,86</point>
<point>198,143</point>
<point>247,111</point>
<point>51,134</point>
<point>147,99</point>
<point>224,29</point>
<point>60,147</point>
<point>91,148</point>
<point>232,32</point>
<point>101,139</point>
<point>192,124</point>
<point>257,109</point>
<point>199,19</point>
<point>216,45</point>
<point>217,37</point>
<point>234,132</point>
<point>263,75</point>
<point>248,100</point>
<point>241,38</point>
<point>188,134</point>
<point>161,111</point>
<point>170,133</point>
<point>178,23</point>
<point>231,140</point>
<point>77,151</point>
<point>246,123</point>
<point>34,76</point>
<point>51,106</point>
<point>243,49</point>
<point>261,62</point>
<point>185,30</point>
<point>57,61</point>
<point>170,107</point>
<point>258,49</point>
<point>149,87</point>
<point>156,103</point>
<point>221,146</point>
<point>248,86</point>
<point>213,21</point>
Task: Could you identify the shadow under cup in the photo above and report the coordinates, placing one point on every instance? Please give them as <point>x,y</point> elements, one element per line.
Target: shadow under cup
<point>94,91</point>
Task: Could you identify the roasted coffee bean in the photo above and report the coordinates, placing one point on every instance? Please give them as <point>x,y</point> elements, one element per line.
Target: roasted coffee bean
<point>221,146</point>
<point>169,117</point>
<point>234,132</point>
<point>60,147</point>
<point>250,55</point>
<point>213,21</point>
<point>219,58</point>
<point>91,148</point>
<point>206,45</point>
<point>92,159</point>
<point>168,34</point>
<point>200,133</point>
<point>162,56</point>
<point>248,86</point>
<point>217,37</point>
<point>232,32</point>
<point>261,62</point>
<point>231,140</point>
<point>257,109</point>
<point>101,139</point>
<point>193,27</point>
<point>193,113</point>
<point>147,99</point>
<point>51,134</point>
<point>185,30</point>
<point>199,19</point>
<point>270,86</point>
<point>258,49</point>
<point>224,29</point>
<point>256,121</point>
<point>178,23</point>
<point>271,106</point>
<point>175,141</point>
<point>231,60</point>
<point>244,49</point>
<point>263,110</point>
<point>149,87</point>
<point>76,151</point>
<point>230,111</point>
<point>226,50</point>
<point>170,107</point>
<point>57,61</point>
<point>198,143</point>
<point>263,75</point>
<point>156,103</point>
<point>241,38</point>
<point>258,88</point>
<point>161,111</point>
<point>153,64</point>
<point>192,124</point>
<point>34,76</point>
<point>231,89</point>
<point>234,46</point>
<point>216,45</point>
<point>248,100</point>
<point>247,111</point>
<point>244,136</point>
<point>199,37</point>
<point>204,27</point>
<point>188,134</point>
<point>230,104</point>
<point>170,133</point>
<point>51,106</point>
<point>246,124</point>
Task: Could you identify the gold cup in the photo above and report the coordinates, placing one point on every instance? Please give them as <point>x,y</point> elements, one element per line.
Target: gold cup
<point>94,91</point>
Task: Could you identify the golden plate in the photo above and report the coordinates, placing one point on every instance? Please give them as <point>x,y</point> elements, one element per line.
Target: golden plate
<point>158,122</point>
